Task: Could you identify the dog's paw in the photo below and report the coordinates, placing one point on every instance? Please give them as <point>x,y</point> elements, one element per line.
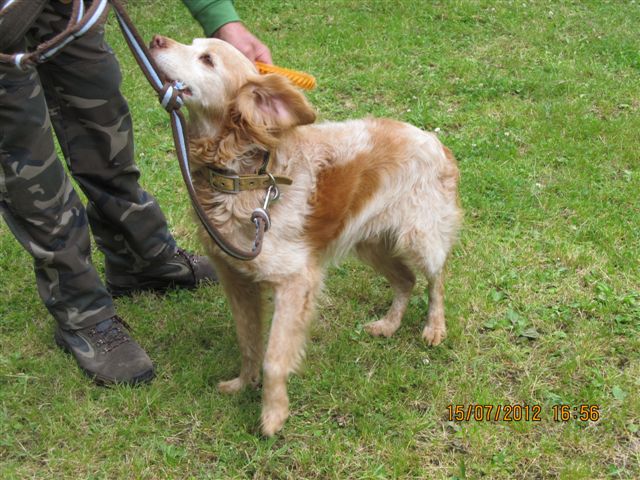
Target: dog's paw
<point>273,420</point>
<point>231,386</point>
<point>433,336</point>
<point>380,328</point>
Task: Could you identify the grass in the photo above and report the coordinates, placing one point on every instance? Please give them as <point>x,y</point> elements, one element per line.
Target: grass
<point>540,103</point>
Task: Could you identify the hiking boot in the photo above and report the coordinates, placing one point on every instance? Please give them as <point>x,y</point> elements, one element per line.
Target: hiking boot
<point>183,270</point>
<point>106,353</point>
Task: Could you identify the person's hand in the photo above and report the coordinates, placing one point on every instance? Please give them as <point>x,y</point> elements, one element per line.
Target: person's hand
<point>237,35</point>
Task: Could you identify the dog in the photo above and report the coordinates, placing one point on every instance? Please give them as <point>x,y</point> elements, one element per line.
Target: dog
<point>383,189</point>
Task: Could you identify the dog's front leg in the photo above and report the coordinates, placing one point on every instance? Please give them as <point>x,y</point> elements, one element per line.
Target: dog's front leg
<point>294,301</point>
<point>245,299</point>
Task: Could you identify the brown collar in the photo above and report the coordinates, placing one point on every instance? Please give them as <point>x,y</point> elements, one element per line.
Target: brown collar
<point>236,183</point>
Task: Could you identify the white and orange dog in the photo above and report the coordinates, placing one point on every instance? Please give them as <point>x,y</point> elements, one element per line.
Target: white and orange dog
<point>383,189</point>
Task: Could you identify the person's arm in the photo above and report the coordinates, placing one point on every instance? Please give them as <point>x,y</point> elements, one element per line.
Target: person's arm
<point>219,19</point>
<point>212,14</point>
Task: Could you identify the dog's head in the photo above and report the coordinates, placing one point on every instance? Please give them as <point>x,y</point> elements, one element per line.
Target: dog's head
<point>228,99</point>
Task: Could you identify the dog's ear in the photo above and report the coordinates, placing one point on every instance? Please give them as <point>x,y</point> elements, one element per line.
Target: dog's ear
<point>272,103</point>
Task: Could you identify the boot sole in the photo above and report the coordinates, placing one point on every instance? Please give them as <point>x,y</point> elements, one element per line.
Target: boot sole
<point>101,380</point>
<point>118,292</point>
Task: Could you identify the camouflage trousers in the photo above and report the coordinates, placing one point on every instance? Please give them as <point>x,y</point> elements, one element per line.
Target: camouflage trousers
<point>78,92</point>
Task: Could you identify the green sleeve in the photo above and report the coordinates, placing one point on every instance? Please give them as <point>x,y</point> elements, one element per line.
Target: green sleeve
<point>212,14</point>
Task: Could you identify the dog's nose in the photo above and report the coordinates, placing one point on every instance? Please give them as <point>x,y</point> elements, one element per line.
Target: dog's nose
<point>158,41</point>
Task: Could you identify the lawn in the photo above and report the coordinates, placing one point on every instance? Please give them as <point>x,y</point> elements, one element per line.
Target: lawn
<point>540,102</point>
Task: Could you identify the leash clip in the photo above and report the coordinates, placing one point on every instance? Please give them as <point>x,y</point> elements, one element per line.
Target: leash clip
<point>260,213</point>
<point>273,193</point>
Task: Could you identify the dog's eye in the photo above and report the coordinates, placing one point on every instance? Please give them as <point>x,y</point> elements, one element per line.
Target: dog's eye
<point>206,59</point>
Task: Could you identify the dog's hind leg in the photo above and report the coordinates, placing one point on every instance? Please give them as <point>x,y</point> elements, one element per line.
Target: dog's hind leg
<point>430,252</point>
<point>245,298</point>
<point>427,249</point>
<point>435,330</point>
<point>378,254</point>
<point>294,300</point>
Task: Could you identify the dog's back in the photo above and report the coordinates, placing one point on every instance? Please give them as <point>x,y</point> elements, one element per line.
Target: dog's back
<point>373,178</point>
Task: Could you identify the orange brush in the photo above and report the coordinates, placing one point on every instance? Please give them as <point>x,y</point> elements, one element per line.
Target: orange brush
<point>301,79</point>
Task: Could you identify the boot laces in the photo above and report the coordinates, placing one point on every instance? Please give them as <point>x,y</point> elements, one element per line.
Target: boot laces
<point>111,338</point>
<point>191,258</point>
